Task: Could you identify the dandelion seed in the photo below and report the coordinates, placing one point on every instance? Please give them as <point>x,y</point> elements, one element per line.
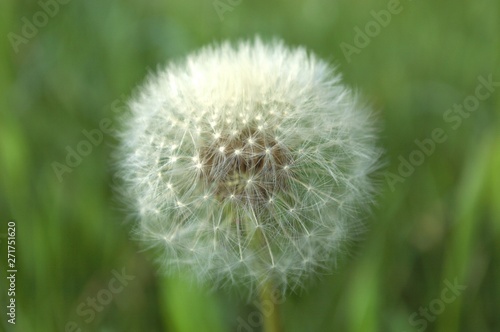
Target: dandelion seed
<point>270,156</point>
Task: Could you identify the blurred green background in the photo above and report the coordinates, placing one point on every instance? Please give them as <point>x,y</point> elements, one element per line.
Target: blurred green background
<point>439,224</point>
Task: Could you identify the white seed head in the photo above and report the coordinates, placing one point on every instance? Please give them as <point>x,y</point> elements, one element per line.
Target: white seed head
<point>283,154</point>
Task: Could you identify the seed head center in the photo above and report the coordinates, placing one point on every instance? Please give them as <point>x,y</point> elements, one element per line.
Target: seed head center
<point>250,168</point>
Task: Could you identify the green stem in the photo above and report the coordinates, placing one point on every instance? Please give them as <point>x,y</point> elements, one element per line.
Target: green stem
<point>268,302</point>
<point>272,322</point>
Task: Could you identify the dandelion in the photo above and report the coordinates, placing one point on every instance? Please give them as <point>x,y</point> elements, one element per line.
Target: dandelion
<point>248,164</point>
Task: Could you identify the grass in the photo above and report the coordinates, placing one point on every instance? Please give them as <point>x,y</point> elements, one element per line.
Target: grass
<point>440,223</point>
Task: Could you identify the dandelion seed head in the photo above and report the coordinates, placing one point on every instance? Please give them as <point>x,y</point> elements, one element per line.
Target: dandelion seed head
<point>248,162</point>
